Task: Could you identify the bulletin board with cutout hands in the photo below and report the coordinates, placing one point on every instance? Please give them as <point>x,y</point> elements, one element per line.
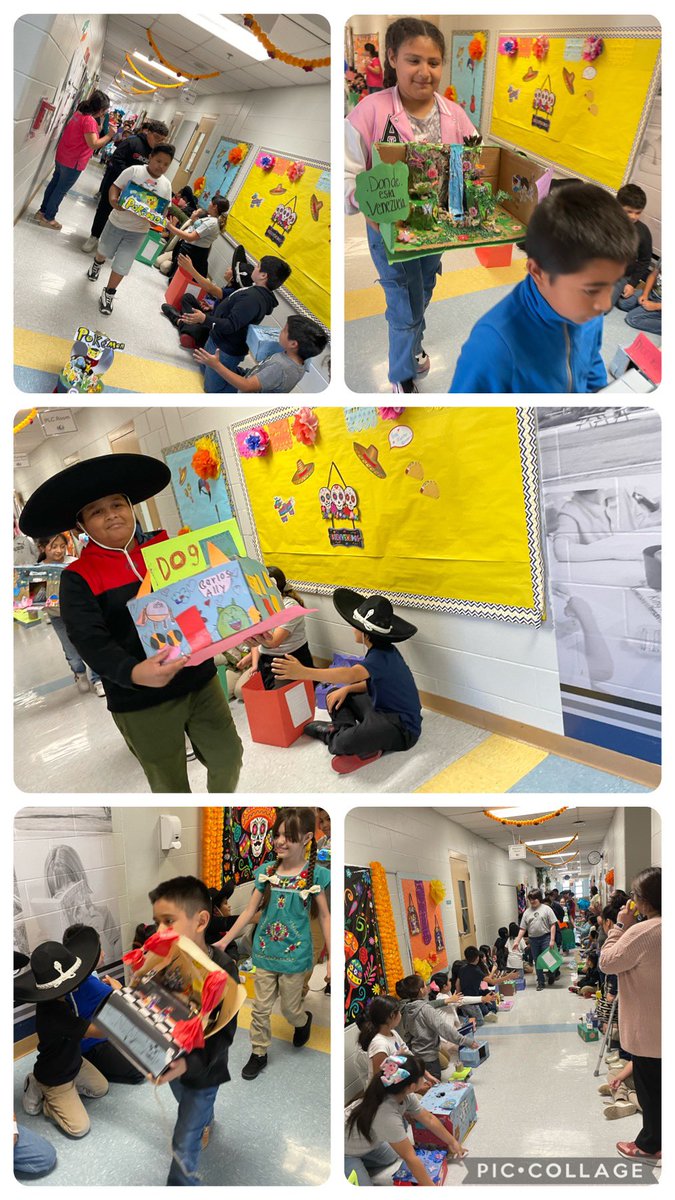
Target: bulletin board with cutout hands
<point>557,97</point>
<point>435,508</point>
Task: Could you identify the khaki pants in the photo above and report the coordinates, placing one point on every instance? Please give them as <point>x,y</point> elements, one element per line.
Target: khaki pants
<point>318,943</point>
<point>63,1105</point>
<point>268,986</point>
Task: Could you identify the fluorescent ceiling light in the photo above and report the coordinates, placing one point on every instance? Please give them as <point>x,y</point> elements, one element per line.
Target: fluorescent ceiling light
<point>135,79</point>
<point>548,841</point>
<point>156,66</point>
<point>233,34</point>
<point>522,811</point>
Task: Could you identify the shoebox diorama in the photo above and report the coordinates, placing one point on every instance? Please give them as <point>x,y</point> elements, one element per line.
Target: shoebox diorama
<point>92,354</point>
<point>177,997</point>
<point>587,1033</point>
<point>474,1058</point>
<point>507,989</point>
<point>144,203</point>
<point>37,586</point>
<point>506,1005</point>
<point>436,1163</point>
<point>454,1104</point>
<point>550,960</point>
<point>520,984</point>
<point>262,341</point>
<point>430,198</point>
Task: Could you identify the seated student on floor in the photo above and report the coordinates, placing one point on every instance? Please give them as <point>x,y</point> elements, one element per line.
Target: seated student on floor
<point>285,639</point>
<point>376,1132</point>
<point>299,340</point>
<point>643,310</point>
<point>590,980</point>
<point>198,235</point>
<point>377,707</point>
<point>237,276</point>
<point>546,335</point>
<point>633,201</point>
<point>378,1037</point>
<point>427,1029</point>
<point>85,1000</point>
<point>474,980</point>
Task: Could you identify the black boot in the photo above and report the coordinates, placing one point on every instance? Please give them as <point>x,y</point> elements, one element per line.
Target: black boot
<point>172,313</point>
<point>321,730</point>
<point>302,1032</point>
<point>255,1064</point>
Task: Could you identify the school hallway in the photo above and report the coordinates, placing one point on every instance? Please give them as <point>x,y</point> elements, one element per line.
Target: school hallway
<point>65,740</point>
<point>464,292</point>
<point>251,1140</point>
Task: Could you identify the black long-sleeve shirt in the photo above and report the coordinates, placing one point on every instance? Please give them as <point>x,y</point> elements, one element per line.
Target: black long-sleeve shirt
<point>642,265</point>
<point>230,319</point>
<point>208,1067</point>
<point>134,151</point>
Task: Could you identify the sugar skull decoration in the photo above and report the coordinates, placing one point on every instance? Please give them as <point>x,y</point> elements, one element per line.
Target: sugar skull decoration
<point>258,823</point>
<point>340,502</point>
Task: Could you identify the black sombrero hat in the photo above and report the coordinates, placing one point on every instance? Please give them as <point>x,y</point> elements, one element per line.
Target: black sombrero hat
<point>55,505</point>
<point>56,969</point>
<point>373,615</point>
<point>20,961</point>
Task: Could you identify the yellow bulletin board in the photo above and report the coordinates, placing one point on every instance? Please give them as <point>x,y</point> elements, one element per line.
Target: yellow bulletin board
<point>275,213</point>
<point>445,514</point>
<point>600,108</point>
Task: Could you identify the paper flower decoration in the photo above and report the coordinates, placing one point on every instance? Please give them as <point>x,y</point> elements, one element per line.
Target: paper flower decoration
<point>135,959</point>
<point>199,185</point>
<point>305,426</point>
<point>236,154</point>
<point>160,943</point>
<point>593,48</point>
<point>404,235</point>
<point>540,48</point>
<point>189,1034</point>
<point>477,47</point>
<point>253,443</point>
<point>390,414</point>
<point>295,171</point>
<point>423,968</point>
<point>266,161</point>
<point>508,46</point>
<point>206,461</point>
<point>212,990</point>
<point>437,891</point>
<point>450,93</point>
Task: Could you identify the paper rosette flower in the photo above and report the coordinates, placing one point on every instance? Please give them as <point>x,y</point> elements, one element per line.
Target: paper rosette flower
<point>161,942</point>
<point>295,171</point>
<point>206,461</point>
<point>266,161</point>
<point>188,1034</point>
<point>199,185</point>
<point>450,93</point>
<point>477,47</point>
<point>135,959</point>
<point>423,968</point>
<point>213,990</point>
<point>253,443</point>
<point>235,156</point>
<point>593,48</point>
<point>540,48</point>
<point>509,46</point>
<point>437,891</point>
<point>390,414</point>
<point>305,426</point>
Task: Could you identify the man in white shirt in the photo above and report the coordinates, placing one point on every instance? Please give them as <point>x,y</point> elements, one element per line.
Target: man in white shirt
<point>539,923</point>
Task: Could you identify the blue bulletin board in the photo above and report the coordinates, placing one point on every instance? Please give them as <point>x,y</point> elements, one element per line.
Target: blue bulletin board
<point>221,174</point>
<point>200,502</point>
<point>467,77</point>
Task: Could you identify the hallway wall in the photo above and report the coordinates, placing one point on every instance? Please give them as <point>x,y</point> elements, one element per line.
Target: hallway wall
<point>631,843</point>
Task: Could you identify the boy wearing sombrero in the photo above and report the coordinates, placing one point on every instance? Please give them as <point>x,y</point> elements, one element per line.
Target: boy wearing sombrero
<point>376,707</point>
<point>153,701</point>
<point>60,1074</point>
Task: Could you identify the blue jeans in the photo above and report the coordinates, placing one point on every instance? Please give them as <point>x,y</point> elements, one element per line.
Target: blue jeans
<point>73,656</point>
<point>213,382</point>
<point>376,1160</point>
<point>474,1011</point>
<point>638,317</point>
<point>408,288</point>
<point>195,1112</point>
<point>33,1155</point>
<point>60,183</point>
<point>537,946</point>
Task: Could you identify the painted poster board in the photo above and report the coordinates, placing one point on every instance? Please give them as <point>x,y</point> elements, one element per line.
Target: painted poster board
<point>221,174</point>
<point>200,502</point>
<point>594,124</point>
<point>467,77</point>
<point>289,218</point>
<point>247,842</point>
<point>364,969</point>
<point>438,509</point>
<point>424,922</point>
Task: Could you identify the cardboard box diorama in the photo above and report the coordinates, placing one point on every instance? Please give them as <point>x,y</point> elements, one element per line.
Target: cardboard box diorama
<point>454,1104</point>
<point>176,998</point>
<point>91,355</point>
<point>435,1161</point>
<point>37,585</point>
<point>144,203</point>
<point>203,612</point>
<point>431,198</point>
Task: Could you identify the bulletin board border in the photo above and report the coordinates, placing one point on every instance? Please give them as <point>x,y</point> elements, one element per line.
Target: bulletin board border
<point>472,33</point>
<point>526,422</point>
<point>641,32</point>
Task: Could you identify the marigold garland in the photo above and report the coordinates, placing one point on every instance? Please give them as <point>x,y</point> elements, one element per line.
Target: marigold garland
<point>213,822</point>
<point>307,64</point>
<point>391,957</point>
<point>518,823</point>
<point>176,70</point>
<point>545,857</point>
<point>26,421</point>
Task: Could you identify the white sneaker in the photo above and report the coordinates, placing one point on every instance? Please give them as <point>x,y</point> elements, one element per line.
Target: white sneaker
<point>90,245</point>
<point>423,363</point>
<point>82,683</point>
<point>99,688</point>
<point>32,1096</point>
<point>105,303</point>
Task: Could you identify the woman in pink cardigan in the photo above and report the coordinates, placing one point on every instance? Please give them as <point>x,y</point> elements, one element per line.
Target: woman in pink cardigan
<point>409,109</point>
<point>632,952</point>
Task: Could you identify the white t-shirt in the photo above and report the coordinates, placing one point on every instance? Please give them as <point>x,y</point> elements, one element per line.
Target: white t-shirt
<point>381,1044</point>
<point>297,634</point>
<point>141,176</point>
<point>208,229</point>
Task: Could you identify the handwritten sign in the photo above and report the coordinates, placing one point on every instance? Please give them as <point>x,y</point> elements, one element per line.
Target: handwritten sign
<point>382,192</point>
<point>182,556</point>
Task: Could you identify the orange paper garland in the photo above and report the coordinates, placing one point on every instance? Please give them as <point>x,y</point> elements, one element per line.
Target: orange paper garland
<point>519,822</point>
<point>213,821</point>
<point>291,60</point>
<point>391,957</point>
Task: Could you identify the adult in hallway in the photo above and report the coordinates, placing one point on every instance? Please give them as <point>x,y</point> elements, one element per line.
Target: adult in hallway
<point>539,924</point>
<point>632,952</point>
<point>133,151</point>
<point>80,138</point>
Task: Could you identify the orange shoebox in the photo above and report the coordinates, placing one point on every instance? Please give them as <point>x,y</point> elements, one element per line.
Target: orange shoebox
<point>277,718</point>
<point>179,285</point>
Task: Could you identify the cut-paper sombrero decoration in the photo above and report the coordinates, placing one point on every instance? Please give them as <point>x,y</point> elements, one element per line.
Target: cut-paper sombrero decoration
<point>302,472</point>
<point>370,459</point>
<point>415,470</point>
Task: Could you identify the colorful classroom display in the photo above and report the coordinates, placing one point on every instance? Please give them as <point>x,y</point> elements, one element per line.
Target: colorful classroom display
<point>283,208</point>
<point>91,355</point>
<point>364,971</point>
<point>228,159</point>
<point>199,482</point>
<point>467,72</point>
<point>247,842</point>
<point>577,99</point>
<point>422,899</point>
<point>358,506</point>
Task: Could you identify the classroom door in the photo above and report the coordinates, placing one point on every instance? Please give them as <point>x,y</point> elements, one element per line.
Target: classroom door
<point>461,886</point>
<point>188,168</point>
<point>125,441</point>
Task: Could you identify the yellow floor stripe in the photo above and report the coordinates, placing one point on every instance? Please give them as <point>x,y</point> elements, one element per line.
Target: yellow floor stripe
<point>369,302</point>
<point>45,352</point>
<point>494,766</point>
<point>319,1038</point>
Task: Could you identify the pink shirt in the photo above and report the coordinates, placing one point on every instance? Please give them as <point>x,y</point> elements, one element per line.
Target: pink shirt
<point>72,150</point>
<point>634,956</point>
<point>374,78</point>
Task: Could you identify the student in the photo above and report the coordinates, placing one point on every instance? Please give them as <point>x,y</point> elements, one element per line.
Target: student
<point>60,1074</point>
<point>588,983</point>
<point>300,339</point>
<point>80,138</point>
<point>285,639</point>
<point>237,276</point>
<point>474,980</point>
<point>377,707</point>
<point>84,1001</point>
<point>183,905</point>
<point>376,1130</point>
<point>409,109</point>
<point>153,701</point>
<point>426,1027</point>
<point>133,151</point>
<point>546,335</point>
<point>230,319</point>
<point>514,956</point>
<point>378,1037</point>
<point>126,231</point>
<point>198,235</point>
<point>55,550</point>
<point>633,201</point>
<point>501,952</point>
<point>644,311</point>
<point>374,73</point>
<point>34,1157</point>
<point>287,890</point>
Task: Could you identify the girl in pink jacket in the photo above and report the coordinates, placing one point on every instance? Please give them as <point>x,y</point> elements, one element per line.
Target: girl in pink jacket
<point>408,110</point>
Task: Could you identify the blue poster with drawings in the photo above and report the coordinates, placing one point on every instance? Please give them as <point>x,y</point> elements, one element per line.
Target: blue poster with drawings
<point>467,76</point>
<point>200,499</point>
<point>220,173</point>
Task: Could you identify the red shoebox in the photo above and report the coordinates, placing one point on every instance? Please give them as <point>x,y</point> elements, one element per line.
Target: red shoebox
<point>179,285</point>
<point>278,717</point>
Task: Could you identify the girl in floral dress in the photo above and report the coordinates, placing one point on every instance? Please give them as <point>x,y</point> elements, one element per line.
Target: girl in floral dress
<point>288,889</point>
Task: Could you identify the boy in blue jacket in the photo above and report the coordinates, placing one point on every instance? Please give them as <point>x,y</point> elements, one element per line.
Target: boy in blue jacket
<point>545,336</point>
